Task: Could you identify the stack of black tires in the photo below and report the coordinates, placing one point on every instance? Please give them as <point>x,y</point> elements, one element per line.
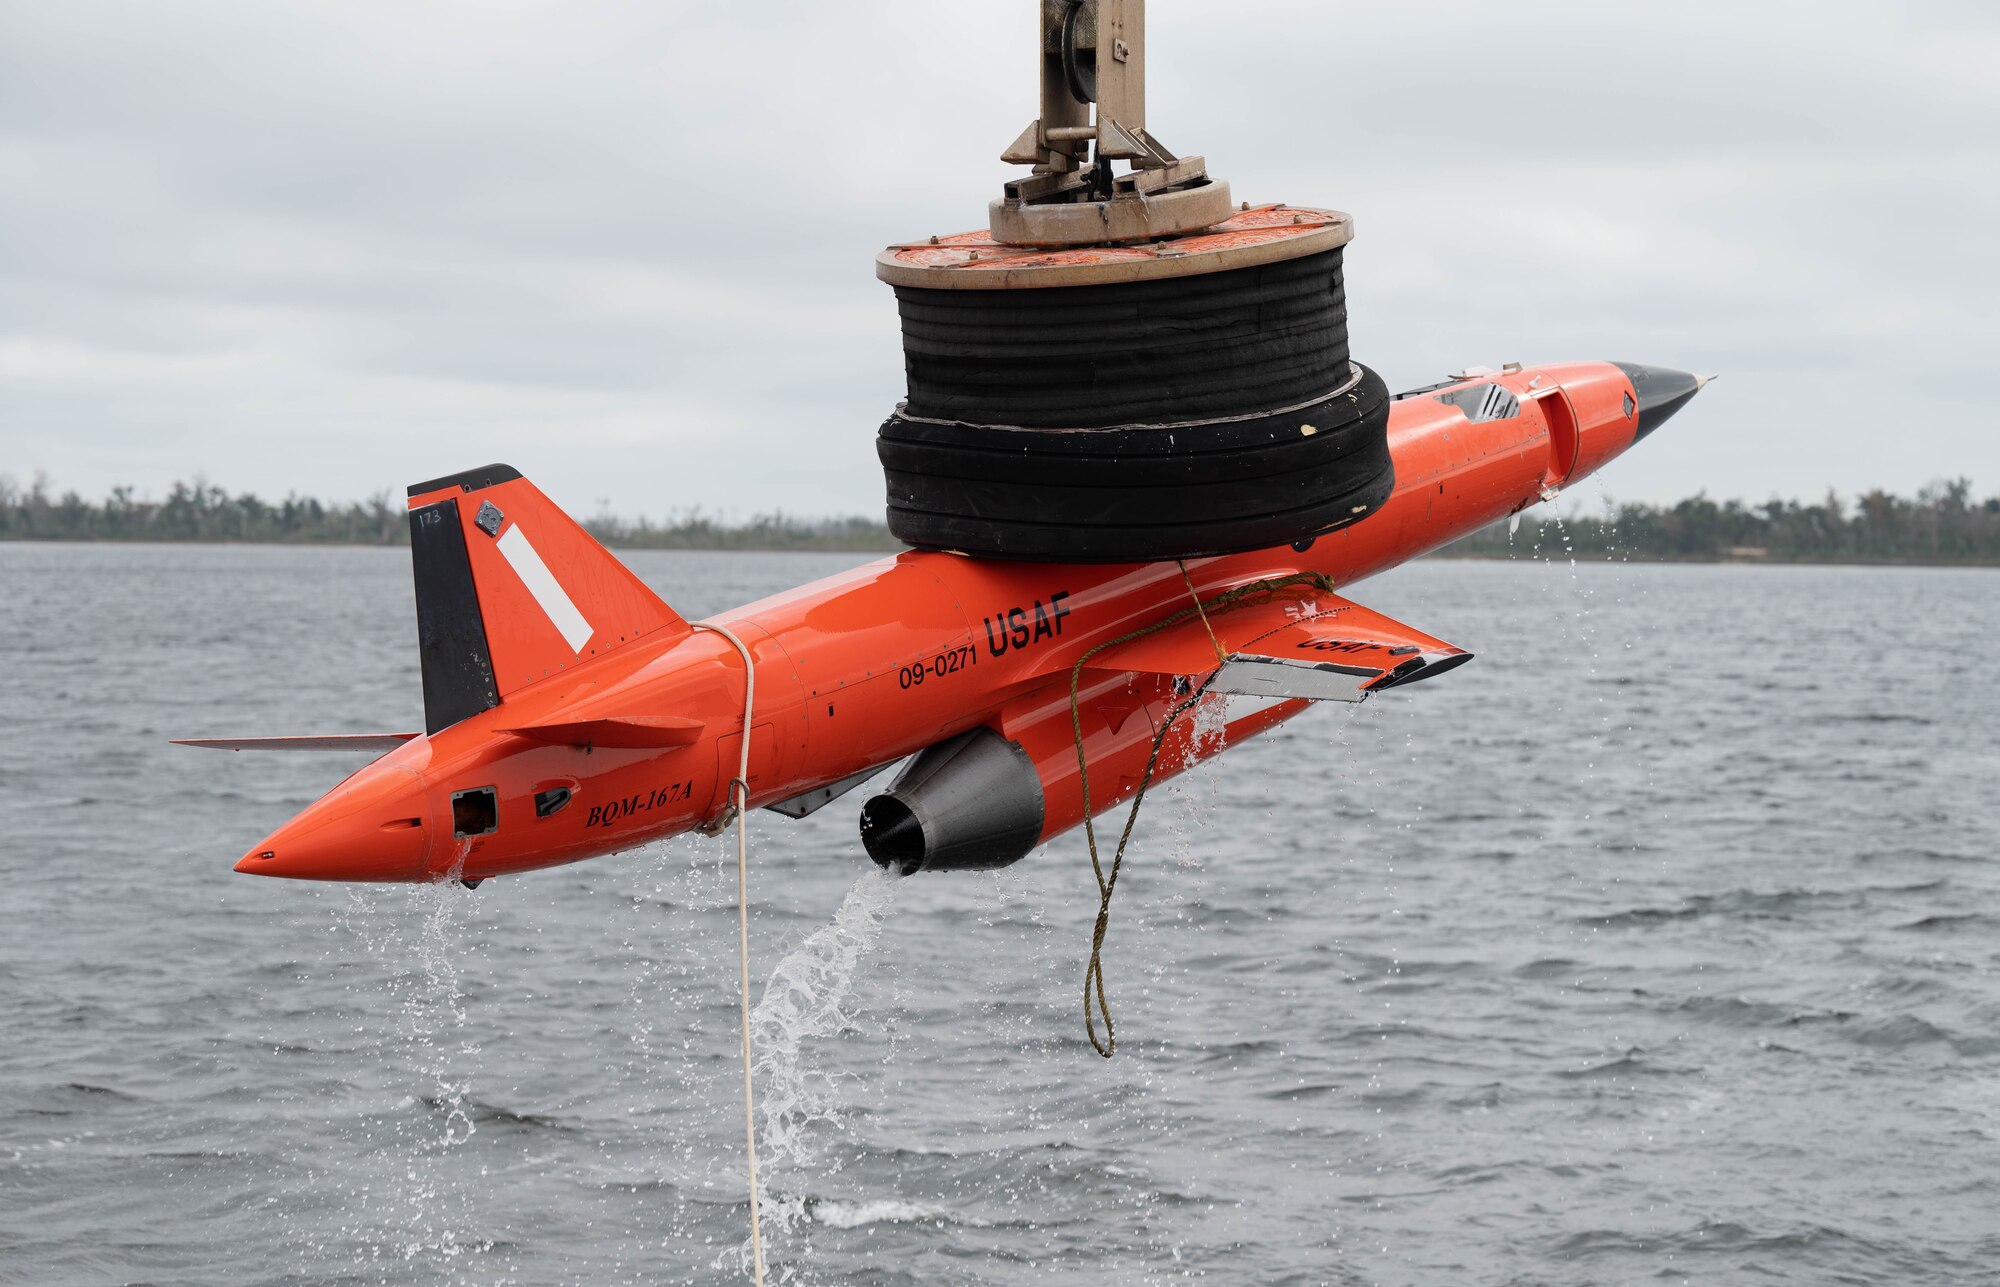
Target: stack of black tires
<point>1134,421</point>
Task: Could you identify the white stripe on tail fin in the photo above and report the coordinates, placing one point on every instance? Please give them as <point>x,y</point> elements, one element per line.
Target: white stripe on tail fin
<point>511,590</point>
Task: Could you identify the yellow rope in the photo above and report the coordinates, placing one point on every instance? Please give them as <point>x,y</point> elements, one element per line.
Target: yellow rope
<point>1095,1003</point>
<point>1207,625</point>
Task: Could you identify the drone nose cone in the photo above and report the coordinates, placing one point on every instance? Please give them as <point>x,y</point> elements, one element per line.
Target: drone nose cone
<point>371,827</point>
<point>1660,391</point>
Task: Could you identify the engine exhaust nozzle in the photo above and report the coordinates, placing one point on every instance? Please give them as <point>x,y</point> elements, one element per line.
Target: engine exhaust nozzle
<point>971,803</point>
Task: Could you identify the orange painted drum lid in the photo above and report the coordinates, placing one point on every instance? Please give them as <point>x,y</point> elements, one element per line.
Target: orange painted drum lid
<point>974,261</point>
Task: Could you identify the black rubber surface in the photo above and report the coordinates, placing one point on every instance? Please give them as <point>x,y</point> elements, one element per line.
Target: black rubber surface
<point>451,629</point>
<point>1139,494</point>
<point>1179,349</point>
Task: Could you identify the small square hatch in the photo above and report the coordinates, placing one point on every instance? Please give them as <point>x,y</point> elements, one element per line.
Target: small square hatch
<point>475,812</point>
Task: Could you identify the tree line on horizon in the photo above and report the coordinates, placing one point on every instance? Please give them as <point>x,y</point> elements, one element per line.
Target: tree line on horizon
<point>1941,524</point>
<point>201,512</point>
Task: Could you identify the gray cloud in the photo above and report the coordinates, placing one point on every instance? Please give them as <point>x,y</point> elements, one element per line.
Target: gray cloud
<point>333,248</point>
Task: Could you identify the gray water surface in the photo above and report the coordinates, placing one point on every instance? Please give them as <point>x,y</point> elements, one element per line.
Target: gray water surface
<point>1658,944</point>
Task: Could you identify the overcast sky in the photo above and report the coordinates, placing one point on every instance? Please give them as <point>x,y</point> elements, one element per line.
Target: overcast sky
<point>335,248</point>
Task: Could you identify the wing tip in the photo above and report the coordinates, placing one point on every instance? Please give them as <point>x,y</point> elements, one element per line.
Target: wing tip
<point>1425,669</point>
<point>308,742</point>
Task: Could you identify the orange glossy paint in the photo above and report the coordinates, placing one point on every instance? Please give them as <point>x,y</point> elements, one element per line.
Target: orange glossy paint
<point>871,665</point>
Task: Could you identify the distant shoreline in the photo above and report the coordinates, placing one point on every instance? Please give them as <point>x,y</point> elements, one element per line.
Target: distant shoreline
<point>1942,526</point>
<point>1450,553</point>
<point>221,542</point>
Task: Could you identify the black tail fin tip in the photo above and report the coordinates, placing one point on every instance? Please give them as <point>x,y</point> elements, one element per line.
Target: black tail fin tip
<point>468,480</point>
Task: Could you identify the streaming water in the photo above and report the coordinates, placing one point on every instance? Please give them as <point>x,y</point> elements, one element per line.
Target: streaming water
<point>805,1002</point>
<point>1210,717</point>
<point>426,1212</point>
<point>1656,945</point>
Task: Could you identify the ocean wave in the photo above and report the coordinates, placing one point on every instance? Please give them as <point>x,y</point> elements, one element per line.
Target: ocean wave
<point>839,1213</point>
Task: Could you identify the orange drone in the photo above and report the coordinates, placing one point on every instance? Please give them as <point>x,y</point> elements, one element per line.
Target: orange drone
<point>1136,463</point>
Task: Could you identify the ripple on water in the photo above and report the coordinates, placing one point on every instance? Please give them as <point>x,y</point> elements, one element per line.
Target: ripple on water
<point>1584,968</point>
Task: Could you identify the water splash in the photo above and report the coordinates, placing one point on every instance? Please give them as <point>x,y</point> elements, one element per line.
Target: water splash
<point>805,999</point>
<point>678,936</point>
<point>1210,725</point>
<point>1190,797</point>
<point>860,1215</point>
<point>1580,634</point>
<point>434,1016</point>
<point>428,1061</point>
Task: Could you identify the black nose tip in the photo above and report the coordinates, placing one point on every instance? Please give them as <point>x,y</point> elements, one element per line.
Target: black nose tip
<point>1661,392</point>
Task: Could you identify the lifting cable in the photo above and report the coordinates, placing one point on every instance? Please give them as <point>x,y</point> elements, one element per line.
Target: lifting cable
<point>1094,1002</point>
<point>739,804</point>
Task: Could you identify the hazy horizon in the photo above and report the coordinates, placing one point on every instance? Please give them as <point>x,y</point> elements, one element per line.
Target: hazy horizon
<point>1588,497</point>
<point>628,249</point>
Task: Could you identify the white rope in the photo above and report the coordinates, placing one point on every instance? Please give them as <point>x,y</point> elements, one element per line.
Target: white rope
<point>739,800</point>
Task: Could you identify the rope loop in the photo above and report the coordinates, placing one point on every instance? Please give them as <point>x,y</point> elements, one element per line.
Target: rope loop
<point>1095,1003</point>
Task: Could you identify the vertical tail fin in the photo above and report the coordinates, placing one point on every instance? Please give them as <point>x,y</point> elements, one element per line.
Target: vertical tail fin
<point>511,590</point>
